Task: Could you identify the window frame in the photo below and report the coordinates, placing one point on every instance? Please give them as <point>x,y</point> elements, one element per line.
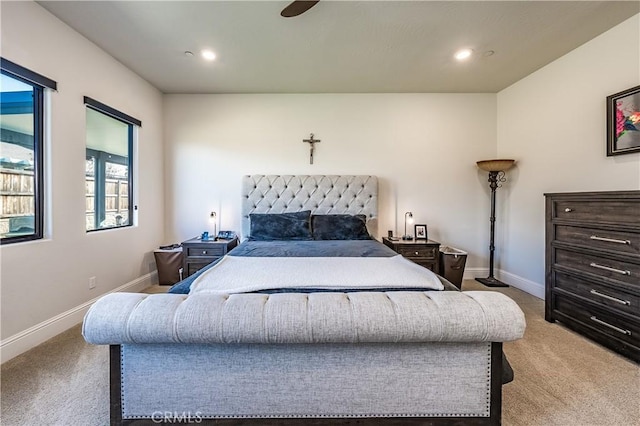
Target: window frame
<point>99,205</point>
<point>39,83</point>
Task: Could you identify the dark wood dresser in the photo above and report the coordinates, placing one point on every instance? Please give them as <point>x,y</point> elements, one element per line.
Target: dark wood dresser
<point>593,266</point>
<point>423,252</point>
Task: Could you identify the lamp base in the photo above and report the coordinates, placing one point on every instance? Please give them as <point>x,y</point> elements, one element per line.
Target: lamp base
<point>491,282</point>
<point>407,237</point>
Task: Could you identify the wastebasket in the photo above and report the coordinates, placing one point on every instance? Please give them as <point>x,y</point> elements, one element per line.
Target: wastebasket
<point>452,261</point>
<point>169,265</point>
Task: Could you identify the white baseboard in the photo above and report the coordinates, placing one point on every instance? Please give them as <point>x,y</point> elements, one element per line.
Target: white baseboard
<point>473,273</point>
<point>528,286</point>
<point>39,333</point>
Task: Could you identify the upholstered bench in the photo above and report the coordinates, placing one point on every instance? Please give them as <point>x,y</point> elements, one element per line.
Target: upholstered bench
<point>385,355</point>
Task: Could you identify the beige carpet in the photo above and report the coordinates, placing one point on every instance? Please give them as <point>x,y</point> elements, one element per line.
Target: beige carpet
<point>560,379</point>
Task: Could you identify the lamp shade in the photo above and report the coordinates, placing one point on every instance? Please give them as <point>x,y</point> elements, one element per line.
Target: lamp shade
<point>495,165</point>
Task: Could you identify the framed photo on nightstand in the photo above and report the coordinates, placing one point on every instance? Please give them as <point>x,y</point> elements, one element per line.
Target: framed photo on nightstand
<point>420,232</point>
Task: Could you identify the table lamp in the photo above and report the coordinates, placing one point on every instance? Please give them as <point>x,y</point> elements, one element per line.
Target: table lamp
<point>408,218</point>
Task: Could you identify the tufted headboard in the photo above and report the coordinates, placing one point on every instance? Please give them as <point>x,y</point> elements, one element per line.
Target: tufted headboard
<point>322,194</point>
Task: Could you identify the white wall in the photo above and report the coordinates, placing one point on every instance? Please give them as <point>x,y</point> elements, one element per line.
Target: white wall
<point>46,281</point>
<point>554,123</point>
<point>423,148</point>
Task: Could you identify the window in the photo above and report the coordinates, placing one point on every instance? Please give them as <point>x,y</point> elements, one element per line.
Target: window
<point>108,167</point>
<point>21,152</point>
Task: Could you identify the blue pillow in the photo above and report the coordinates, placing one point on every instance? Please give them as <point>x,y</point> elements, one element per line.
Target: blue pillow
<point>280,226</point>
<point>339,227</point>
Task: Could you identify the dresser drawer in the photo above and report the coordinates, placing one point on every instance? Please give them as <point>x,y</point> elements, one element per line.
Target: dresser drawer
<point>433,266</point>
<point>207,250</point>
<point>626,272</point>
<point>193,267</point>
<point>618,211</point>
<point>416,251</point>
<point>607,296</point>
<point>601,320</point>
<point>623,242</point>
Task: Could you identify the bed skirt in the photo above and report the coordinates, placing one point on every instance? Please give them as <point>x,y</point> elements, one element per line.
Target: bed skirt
<point>374,383</point>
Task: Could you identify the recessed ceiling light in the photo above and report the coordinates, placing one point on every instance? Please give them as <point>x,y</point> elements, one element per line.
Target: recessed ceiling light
<point>463,54</point>
<point>208,55</point>
<point>188,53</point>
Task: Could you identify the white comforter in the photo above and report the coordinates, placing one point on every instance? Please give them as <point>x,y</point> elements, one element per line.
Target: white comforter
<point>236,274</point>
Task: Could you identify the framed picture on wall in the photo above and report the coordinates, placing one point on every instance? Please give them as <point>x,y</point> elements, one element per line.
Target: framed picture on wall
<point>623,122</point>
<point>420,232</point>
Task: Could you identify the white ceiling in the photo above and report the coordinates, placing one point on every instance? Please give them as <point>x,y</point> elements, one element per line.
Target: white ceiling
<point>339,46</point>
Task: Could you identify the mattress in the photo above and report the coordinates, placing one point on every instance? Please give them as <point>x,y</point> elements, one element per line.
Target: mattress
<point>368,256</point>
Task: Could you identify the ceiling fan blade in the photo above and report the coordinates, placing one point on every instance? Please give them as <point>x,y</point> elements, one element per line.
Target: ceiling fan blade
<point>298,7</point>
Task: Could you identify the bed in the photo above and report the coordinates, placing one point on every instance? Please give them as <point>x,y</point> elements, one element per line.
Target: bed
<point>308,320</point>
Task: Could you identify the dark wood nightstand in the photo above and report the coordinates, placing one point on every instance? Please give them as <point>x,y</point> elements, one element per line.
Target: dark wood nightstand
<point>423,252</point>
<point>199,253</point>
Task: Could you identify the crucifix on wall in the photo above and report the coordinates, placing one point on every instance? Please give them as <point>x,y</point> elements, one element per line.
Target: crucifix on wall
<point>311,141</point>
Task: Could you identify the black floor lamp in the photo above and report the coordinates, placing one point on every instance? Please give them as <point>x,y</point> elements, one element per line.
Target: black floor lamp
<point>496,169</point>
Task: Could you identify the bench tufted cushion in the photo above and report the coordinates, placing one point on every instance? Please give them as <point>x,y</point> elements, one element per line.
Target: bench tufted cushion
<point>367,317</point>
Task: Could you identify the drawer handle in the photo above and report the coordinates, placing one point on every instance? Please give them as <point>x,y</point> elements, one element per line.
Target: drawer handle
<point>417,253</point>
<point>204,252</point>
<point>614,299</point>
<point>610,240</point>
<point>607,268</point>
<point>613,327</point>
<point>568,210</point>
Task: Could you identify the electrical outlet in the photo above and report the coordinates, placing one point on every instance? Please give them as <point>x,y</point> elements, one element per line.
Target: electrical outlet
<point>92,282</point>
